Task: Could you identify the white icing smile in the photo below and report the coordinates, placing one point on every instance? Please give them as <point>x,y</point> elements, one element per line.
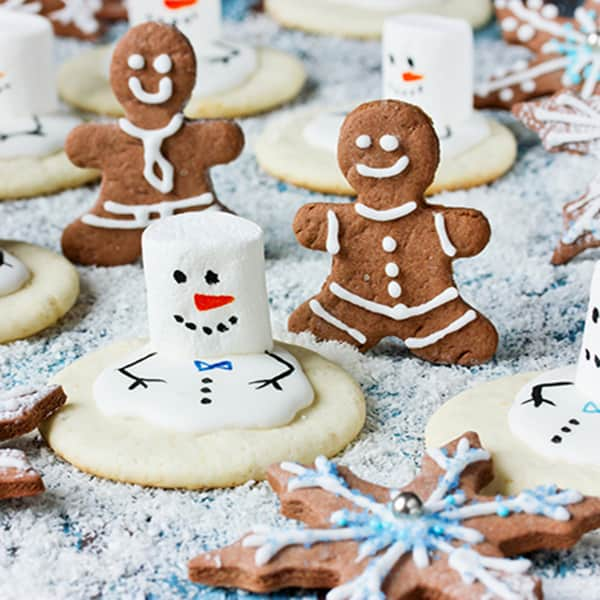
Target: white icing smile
<point>162,64</point>
<point>384,172</point>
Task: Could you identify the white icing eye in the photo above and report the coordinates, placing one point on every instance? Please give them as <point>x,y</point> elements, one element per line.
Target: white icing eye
<point>163,64</point>
<point>389,143</point>
<point>363,142</point>
<point>136,62</point>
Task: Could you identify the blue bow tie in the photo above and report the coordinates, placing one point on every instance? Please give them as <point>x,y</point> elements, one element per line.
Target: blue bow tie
<point>224,365</point>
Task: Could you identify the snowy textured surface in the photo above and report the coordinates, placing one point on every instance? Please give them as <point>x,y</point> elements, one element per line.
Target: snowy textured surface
<point>87,538</point>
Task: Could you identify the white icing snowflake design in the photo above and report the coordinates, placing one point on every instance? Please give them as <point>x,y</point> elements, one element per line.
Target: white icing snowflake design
<point>570,50</point>
<point>386,537</point>
<point>23,5</point>
<point>81,13</point>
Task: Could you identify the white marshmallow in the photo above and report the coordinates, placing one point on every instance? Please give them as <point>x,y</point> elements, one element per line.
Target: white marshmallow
<point>27,77</point>
<point>429,61</point>
<point>201,22</point>
<point>587,379</point>
<point>218,259</point>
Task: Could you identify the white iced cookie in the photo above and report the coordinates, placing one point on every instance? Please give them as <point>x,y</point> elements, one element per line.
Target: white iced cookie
<point>364,18</point>
<point>234,79</point>
<point>427,61</point>
<point>540,425</point>
<point>37,288</point>
<point>32,133</point>
<point>211,382</point>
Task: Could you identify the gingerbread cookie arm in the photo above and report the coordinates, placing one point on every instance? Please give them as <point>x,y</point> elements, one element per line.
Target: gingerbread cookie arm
<point>223,141</point>
<point>317,226</point>
<point>86,143</point>
<point>462,232</point>
<point>261,564</point>
<point>531,532</point>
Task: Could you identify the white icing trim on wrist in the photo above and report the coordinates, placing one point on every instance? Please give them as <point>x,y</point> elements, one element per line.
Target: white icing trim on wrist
<point>333,230</point>
<point>440,227</point>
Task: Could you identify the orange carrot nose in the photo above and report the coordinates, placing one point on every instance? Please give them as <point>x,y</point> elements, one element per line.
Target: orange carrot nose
<point>410,76</point>
<point>204,302</point>
<point>2,74</point>
<point>175,4</point>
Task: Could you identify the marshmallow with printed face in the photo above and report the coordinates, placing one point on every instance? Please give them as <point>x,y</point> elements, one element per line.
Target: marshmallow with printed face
<point>199,20</point>
<point>429,61</point>
<point>205,277</point>
<point>587,379</point>
<point>27,76</point>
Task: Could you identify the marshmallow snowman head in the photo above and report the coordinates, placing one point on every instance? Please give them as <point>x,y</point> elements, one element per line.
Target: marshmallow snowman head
<point>587,379</point>
<point>205,278</point>
<point>429,61</point>
<point>27,78</point>
<point>199,20</point>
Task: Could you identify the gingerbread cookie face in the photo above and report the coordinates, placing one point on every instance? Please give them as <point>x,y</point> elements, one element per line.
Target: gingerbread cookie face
<point>437,537</point>
<point>383,282</point>
<point>384,145</point>
<point>153,74</point>
<point>158,163</point>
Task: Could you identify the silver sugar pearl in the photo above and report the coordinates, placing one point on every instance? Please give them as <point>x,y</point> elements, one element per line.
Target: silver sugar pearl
<point>593,39</point>
<point>407,504</point>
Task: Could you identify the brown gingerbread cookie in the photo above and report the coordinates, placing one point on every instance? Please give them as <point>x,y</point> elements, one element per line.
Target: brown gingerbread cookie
<point>154,162</point>
<point>565,52</point>
<point>391,252</point>
<point>23,409</point>
<point>18,479</point>
<point>567,123</point>
<point>436,538</point>
<point>70,18</point>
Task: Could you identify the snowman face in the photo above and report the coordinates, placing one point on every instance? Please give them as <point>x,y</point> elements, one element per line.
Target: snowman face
<point>211,309</point>
<point>199,20</point>
<point>428,61</point>
<point>588,368</point>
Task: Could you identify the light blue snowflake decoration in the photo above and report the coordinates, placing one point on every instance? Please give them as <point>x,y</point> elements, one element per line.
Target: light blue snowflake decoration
<point>567,52</point>
<point>388,544</point>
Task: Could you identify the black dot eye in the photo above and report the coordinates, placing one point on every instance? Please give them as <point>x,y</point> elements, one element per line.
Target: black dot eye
<point>211,278</point>
<point>179,276</point>
<point>411,62</point>
<point>392,59</point>
<point>595,315</point>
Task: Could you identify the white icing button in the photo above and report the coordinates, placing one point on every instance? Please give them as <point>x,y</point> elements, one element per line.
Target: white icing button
<point>389,143</point>
<point>163,64</point>
<point>363,142</point>
<point>506,95</point>
<point>528,86</point>
<point>392,270</point>
<point>526,33</point>
<point>510,24</point>
<point>550,11</point>
<point>394,290</point>
<point>389,244</point>
<point>136,61</point>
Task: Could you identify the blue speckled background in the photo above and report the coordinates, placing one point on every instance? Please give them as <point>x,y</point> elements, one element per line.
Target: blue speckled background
<point>87,538</point>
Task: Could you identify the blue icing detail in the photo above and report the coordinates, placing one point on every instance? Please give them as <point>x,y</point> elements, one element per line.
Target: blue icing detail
<point>224,365</point>
<point>591,408</point>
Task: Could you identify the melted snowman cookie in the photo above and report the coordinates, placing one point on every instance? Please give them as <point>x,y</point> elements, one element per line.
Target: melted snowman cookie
<point>13,274</point>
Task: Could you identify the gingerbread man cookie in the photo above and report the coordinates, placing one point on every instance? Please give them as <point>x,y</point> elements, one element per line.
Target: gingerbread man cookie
<point>436,538</point>
<point>392,253</point>
<point>154,162</point>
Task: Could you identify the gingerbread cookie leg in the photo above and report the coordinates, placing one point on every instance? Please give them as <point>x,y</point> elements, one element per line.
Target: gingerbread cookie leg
<point>326,317</point>
<point>460,336</point>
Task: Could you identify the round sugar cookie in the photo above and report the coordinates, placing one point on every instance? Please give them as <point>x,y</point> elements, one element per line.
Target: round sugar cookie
<point>485,409</point>
<point>358,18</point>
<point>27,177</point>
<point>283,152</point>
<point>278,78</point>
<point>132,450</point>
<point>48,295</point>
